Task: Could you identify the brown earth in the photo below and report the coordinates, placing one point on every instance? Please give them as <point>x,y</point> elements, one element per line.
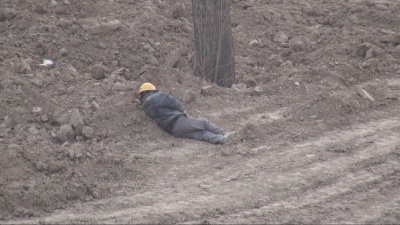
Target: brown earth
<point>317,120</point>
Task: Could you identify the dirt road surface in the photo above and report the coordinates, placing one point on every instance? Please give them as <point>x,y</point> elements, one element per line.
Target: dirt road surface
<point>315,110</point>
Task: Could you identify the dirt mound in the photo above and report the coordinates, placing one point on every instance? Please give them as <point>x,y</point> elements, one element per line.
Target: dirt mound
<point>69,133</point>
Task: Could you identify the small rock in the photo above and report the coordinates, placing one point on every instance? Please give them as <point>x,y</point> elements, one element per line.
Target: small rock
<point>102,45</point>
<point>281,38</point>
<point>25,66</point>
<point>8,14</point>
<point>115,63</point>
<point>57,74</point>
<point>368,50</point>
<point>79,155</point>
<point>70,153</point>
<point>71,74</point>
<point>178,11</point>
<point>285,114</point>
<point>246,60</point>
<point>274,61</point>
<point>208,91</point>
<point>369,54</point>
<point>5,132</point>
<point>87,76</point>
<point>314,36</point>
<point>72,71</point>
<point>95,106</point>
<point>37,110</point>
<point>53,3</point>
<point>7,123</point>
<point>53,135</point>
<point>40,9</point>
<point>296,83</point>
<point>70,90</point>
<point>257,91</point>
<point>61,117</point>
<point>99,72</point>
<point>239,87</point>
<point>396,40</point>
<point>66,145</point>
<point>80,138</point>
<point>40,166</point>
<point>63,52</point>
<point>88,132</point>
<point>172,58</point>
<point>66,133</point>
<point>54,168</point>
<point>250,82</point>
<point>76,121</point>
<point>21,212</point>
<point>247,5</point>
<point>287,64</point>
<point>106,27</point>
<point>335,20</point>
<point>37,82</point>
<point>297,46</point>
<point>33,130</point>
<point>188,97</point>
<point>365,65</point>
<point>38,119</point>
<point>381,7</point>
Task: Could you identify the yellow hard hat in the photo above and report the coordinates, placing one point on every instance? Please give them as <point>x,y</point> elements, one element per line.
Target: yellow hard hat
<point>147,87</point>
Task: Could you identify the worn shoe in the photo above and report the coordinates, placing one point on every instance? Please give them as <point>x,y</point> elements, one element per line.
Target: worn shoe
<point>227,137</point>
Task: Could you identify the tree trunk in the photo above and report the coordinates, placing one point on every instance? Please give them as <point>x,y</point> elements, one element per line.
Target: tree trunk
<point>213,41</point>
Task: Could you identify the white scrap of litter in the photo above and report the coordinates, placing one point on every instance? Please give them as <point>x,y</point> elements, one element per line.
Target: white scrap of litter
<point>47,63</point>
<point>37,110</point>
<point>253,42</point>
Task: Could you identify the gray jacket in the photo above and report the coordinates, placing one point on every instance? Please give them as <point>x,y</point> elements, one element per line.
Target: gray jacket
<point>163,108</point>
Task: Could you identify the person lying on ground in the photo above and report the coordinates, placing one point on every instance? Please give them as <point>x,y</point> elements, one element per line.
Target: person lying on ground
<point>169,114</point>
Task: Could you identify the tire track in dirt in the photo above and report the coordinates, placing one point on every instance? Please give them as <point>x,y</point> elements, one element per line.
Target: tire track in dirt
<point>220,193</point>
<point>336,168</point>
<point>238,117</point>
<point>378,206</point>
<point>344,186</point>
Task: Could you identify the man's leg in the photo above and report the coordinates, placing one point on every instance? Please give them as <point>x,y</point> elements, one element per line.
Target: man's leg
<point>203,124</point>
<point>212,127</point>
<point>207,136</point>
<point>199,129</point>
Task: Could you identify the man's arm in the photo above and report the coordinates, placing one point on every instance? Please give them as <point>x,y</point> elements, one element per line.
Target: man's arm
<point>163,100</point>
<point>177,105</point>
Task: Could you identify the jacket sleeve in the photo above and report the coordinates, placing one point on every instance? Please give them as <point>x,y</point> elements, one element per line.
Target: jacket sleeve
<point>176,104</point>
<point>161,100</point>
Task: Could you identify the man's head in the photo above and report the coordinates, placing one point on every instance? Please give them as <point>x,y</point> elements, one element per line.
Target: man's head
<point>147,87</point>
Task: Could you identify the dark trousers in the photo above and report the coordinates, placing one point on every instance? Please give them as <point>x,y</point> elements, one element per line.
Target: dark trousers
<point>199,129</point>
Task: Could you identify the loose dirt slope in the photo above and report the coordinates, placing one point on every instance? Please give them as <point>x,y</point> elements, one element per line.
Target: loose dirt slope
<point>316,113</point>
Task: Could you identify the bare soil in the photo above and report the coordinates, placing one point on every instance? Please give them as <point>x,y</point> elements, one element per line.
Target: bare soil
<point>317,115</point>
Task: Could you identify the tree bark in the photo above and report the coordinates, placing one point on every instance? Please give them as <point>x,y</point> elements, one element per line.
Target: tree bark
<point>213,42</point>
